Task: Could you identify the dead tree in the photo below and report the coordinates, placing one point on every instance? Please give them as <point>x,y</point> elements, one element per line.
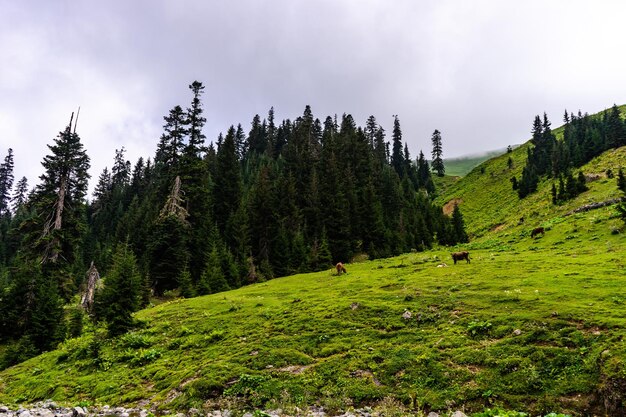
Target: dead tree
<point>93,277</point>
<point>174,204</point>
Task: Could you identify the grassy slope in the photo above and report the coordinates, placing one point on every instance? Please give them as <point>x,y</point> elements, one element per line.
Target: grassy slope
<point>302,342</point>
<point>458,167</point>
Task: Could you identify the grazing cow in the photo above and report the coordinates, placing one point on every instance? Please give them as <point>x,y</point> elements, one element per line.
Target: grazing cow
<point>340,268</point>
<point>458,256</point>
<point>536,231</point>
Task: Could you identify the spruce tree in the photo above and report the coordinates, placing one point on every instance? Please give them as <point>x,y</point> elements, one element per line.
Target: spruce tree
<point>397,156</point>
<point>213,279</point>
<point>621,180</point>
<point>121,295</point>
<point>6,184</point>
<point>437,154</point>
<point>56,235</point>
<point>20,195</point>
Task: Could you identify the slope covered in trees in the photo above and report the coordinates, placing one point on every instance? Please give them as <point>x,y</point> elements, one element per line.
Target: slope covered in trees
<point>533,324</point>
<point>199,218</point>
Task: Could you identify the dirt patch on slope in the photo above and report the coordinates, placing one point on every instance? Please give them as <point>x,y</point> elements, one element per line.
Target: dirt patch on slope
<point>448,208</point>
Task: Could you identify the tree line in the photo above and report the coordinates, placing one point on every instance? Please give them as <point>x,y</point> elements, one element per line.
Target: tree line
<point>584,138</point>
<point>196,218</point>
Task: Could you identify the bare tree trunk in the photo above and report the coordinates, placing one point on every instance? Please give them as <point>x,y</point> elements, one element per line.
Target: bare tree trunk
<point>93,277</point>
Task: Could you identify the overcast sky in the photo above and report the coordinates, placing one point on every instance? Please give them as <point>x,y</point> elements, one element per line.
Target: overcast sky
<point>476,70</point>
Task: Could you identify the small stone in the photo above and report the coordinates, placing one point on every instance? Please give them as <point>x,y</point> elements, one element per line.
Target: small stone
<point>458,414</point>
<point>432,414</point>
<point>407,315</point>
<point>4,409</point>
<point>254,353</point>
<point>24,413</point>
<point>78,412</point>
<point>125,414</point>
<point>517,332</point>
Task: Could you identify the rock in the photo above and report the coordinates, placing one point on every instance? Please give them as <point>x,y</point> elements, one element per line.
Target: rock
<point>124,414</point>
<point>458,414</point>
<point>432,414</point>
<point>407,315</point>
<point>4,409</point>
<point>78,412</point>
<point>24,413</point>
<point>517,332</point>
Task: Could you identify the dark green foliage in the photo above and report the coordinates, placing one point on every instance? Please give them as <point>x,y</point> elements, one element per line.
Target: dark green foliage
<point>287,197</point>
<point>6,183</point>
<point>213,279</point>
<point>186,285</point>
<point>20,194</point>
<point>458,225</point>
<point>621,181</point>
<point>32,307</point>
<point>397,157</point>
<point>121,295</point>
<point>569,187</point>
<point>167,253</point>
<point>437,154</point>
<point>584,137</point>
<point>76,320</point>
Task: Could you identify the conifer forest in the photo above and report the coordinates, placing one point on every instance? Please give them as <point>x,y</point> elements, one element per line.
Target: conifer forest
<point>203,216</point>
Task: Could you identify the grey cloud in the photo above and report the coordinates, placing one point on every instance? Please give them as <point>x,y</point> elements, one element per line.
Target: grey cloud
<point>478,71</point>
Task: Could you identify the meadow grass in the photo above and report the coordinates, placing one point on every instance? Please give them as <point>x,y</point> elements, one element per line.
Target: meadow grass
<point>530,324</point>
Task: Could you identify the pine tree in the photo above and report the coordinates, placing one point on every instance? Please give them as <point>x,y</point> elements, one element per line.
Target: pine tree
<point>621,180</point>
<point>228,184</point>
<point>56,235</point>
<point>121,295</point>
<point>6,184</point>
<point>437,154</point>
<point>167,248</point>
<point>212,280</point>
<point>120,173</point>
<point>458,225</point>
<point>195,121</point>
<point>397,157</point>
<point>424,178</point>
<point>20,194</point>
<point>187,289</point>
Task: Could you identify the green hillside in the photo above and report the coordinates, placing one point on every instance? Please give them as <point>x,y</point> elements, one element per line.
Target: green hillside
<point>532,324</point>
<point>490,204</point>
<point>458,167</point>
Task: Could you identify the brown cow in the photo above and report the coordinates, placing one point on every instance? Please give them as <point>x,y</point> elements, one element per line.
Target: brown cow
<point>458,256</point>
<point>536,231</point>
<point>340,268</point>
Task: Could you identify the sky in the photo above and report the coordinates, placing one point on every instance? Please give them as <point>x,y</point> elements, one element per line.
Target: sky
<point>478,71</point>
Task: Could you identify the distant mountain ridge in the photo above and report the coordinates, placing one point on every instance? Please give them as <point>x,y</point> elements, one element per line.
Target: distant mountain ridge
<point>461,165</point>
